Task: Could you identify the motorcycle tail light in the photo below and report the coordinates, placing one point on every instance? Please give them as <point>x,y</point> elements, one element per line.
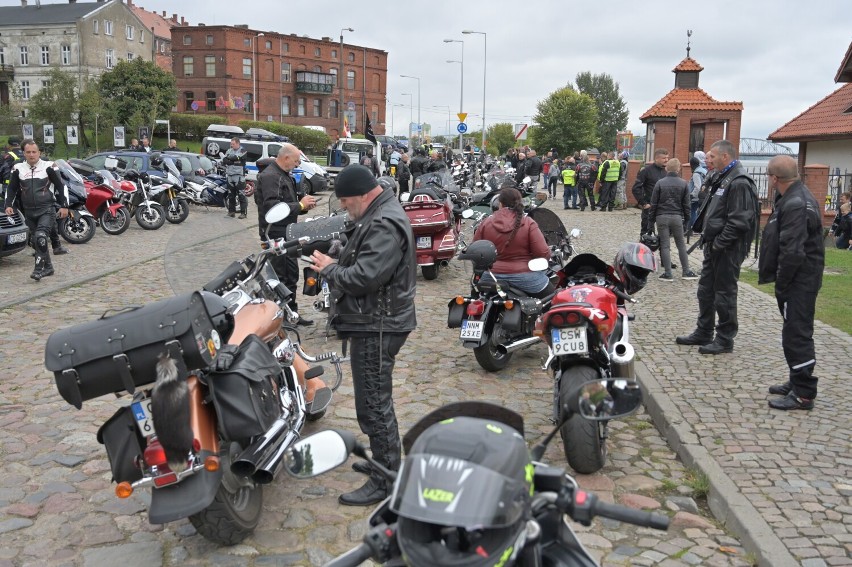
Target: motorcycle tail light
<point>538,329</point>
<point>155,455</point>
<point>556,320</point>
<point>165,479</point>
<point>123,489</point>
<point>311,282</point>
<point>211,464</point>
<point>476,308</point>
<point>508,304</point>
<point>572,318</point>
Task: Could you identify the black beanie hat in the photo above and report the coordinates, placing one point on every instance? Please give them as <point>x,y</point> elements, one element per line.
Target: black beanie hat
<point>354,180</point>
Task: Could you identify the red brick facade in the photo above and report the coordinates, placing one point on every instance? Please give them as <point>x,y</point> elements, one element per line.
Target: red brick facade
<point>214,67</point>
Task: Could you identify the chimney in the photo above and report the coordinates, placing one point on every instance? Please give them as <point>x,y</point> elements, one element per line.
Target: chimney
<point>164,13</point>
<point>24,3</point>
<point>182,21</point>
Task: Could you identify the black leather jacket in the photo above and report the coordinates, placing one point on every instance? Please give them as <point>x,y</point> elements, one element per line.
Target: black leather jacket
<point>670,197</point>
<point>533,166</point>
<point>792,246</point>
<point>418,165</point>
<point>643,187</point>
<point>274,185</point>
<point>730,220</point>
<point>373,283</point>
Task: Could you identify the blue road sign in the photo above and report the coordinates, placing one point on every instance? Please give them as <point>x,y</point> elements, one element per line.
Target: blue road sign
<point>462,127</point>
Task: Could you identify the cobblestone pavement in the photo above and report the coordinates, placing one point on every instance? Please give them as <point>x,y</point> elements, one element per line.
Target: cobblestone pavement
<point>788,494</point>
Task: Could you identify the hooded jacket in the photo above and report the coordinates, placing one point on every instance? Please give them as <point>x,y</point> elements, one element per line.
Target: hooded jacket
<point>528,242</point>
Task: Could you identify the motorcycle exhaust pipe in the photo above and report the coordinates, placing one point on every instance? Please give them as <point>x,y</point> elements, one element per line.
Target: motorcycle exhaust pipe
<point>621,360</point>
<point>319,305</point>
<point>517,345</point>
<point>265,472</point>
<point>248,461</point>
<point>444,263</point>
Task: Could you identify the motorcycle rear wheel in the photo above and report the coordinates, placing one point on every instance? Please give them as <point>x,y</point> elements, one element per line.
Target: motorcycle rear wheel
<point>235,511</point>
<point>117,224</point>
<point>584,448</point>
<point>150,217</point>
<point>487,355</point>
<point>178,214</point>
<point>77,232</point>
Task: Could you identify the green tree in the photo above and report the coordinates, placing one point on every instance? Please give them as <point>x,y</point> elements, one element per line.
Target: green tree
<point>58,102</point>
<point>612,110</point>
<point>137,92</point>
<point>500,137</point>
<point>566,120</point>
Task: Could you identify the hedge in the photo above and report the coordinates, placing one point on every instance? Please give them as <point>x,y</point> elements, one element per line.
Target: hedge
<point>192,125</point>
<point>312,142</point>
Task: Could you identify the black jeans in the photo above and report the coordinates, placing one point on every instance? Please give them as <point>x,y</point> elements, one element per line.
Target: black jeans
<point>607,196</point>
<point>235,191</point>
<point>584,190</point>
<point>288,274</point>
<point>717,293</point>
<point>372,360</point>
<point>797,304</point>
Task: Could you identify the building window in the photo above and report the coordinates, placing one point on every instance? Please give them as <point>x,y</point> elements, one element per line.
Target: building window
<point>302,49</point>
<point>210,65</point>
<point>162,47</point>
<point>129,56</point>
<point>108,27</point>
<point>25,56</point>
<point>247,42</point>
<point>375,82</point>
<point>95,26</point>
<point>65,51</point>
<point>45,55</point>
<point>317,69</point>
<point>332,109</point>
<point>375,113</point>
<point>209,39</point>
<point>317,52</point>
<point>334,54</point>
<point>25,90</point>
<point>285,106</point>
<point>351,56</point>
<point>129,31</point>
<point>285,72</point>
<point>188,97</point>
<point>45,85</point>
<point>188,64</point>
<point>187,39</point>
<point>141,36</point>
<point>300,106</point>
<point>317,107</point>
<point>350,79</point>
<point>696,138</point>
<point>211,100</point>
<point>285,47</point>
<point>2,55</point>
<point>246,66</point>
<point>334,78</point>
<point>249,102</point>
<point>110,58</point>
<point>268,44</point>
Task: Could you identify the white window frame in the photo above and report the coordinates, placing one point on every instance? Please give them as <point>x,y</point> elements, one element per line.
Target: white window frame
<point>130,56</point>
<point>207,62</point>
<point>24,55</point>
<point>2,55</point>
<point>96,27</point>
<point>108,27</point>
<point>247,63</point>
<point>65,54</point>
<point>25,90</point>
<point>44,55</point>
<point>110,58</point>
<point>128,30</point>
<point>286,74</point>
<point>285,108</point>
<point>189,59</point>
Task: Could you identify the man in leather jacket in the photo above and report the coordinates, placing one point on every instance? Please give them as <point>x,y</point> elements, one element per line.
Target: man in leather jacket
<point>235,172</point>
<point>643,187</point>
<point>792,255</point>
<point>533,167</point>
<point>419,163</point>
<point>276,185</point>
<point>728,221</point>
<point>373,288</point>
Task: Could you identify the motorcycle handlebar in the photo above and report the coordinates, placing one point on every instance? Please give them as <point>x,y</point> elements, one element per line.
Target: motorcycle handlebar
<point>353,557</point>
<point>630,515</point>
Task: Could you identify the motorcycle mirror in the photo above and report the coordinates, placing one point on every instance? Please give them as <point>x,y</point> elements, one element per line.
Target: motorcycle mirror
<point>538,264</point>
<point>318,453</point>
<point>404,197</point>
<point>467,213</point>
<point>277,213</point>
<point>575,233</point>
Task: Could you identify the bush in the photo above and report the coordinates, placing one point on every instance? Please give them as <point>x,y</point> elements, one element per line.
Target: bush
<point>193,125</point>
<point>311,142</point>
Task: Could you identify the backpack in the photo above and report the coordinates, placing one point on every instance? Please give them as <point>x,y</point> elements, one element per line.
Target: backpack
<point>692,187</point>
<point>584,173</point>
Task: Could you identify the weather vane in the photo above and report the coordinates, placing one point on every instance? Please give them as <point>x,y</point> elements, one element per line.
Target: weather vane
<point>688,35</point>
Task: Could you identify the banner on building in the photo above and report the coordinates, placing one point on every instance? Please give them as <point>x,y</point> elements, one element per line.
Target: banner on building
<point>72,135</point>
<point>118,136</point>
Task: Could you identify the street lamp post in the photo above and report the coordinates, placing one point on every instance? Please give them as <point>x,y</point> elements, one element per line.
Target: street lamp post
<point>419,124</point>
<point>484,67</point>
<point>340,79</point>
<point>461,97</point>
<point>254,73</point>
<point>410,113</point>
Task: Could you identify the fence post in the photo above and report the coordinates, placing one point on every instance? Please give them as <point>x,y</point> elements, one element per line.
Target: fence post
<point>815,176</point>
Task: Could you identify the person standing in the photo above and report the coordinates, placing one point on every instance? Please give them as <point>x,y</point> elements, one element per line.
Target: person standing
<point>843,235</point>
<point>276,185</point>
<point>436,163</point>
<point>569,181</point>
<point>14,154</point>
<point>553,178</point>
<point>670,211</point>
<point>146,145</point>
<point>728,225</point>
<point>643,187</point>
<point>621,186</point>
<point>585,181</point>
<point>532,167</point>
<point>792,255</point>
<point>696,182</point>
<point>835,225</point>
<point>373,286</point>
<point>235,173</point>
<point>608,175</point>
<point>403,174</point>
<point>36,188</point>
<point>545,173</point>
<point>418,163</point>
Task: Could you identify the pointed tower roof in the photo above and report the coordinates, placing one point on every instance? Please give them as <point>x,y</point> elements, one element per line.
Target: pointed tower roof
<point>688,65</point>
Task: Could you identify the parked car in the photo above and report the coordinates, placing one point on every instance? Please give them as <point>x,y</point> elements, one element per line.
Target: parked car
<point>13,233</point>
<point>140,161</point>
<point>192,166</point>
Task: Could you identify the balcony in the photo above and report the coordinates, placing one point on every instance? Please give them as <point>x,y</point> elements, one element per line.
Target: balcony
<point>316,83</point>
<point>7,72</point>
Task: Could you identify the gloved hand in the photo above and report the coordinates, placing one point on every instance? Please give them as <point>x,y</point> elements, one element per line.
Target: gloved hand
<point>225,358</point>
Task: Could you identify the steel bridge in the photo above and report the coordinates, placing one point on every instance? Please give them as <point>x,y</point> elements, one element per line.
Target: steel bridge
<point>757,148</point>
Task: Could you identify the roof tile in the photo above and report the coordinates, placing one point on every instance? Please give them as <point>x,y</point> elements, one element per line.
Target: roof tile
<point>688,64</point>
<point>686,99</point>
<point>824,120</point>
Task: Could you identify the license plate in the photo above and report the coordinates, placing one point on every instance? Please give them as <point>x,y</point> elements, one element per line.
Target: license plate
<point>142,414</point>
<point>15,238</point>
<point>325,290</point>
<point>570,340</point>
<point>424,242</point>
<point>471,329</point>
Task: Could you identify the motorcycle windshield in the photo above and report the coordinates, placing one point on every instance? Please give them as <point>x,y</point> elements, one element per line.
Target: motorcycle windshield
<point>447,491</point>
<point>550,225</point>
<point>169,166</point>
<point>73,180</point>
<point>482,410</point>
<point>442,180</point>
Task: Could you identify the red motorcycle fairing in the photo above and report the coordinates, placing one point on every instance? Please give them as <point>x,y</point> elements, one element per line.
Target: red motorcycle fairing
<point>596,304</point>
<point>435,232</point>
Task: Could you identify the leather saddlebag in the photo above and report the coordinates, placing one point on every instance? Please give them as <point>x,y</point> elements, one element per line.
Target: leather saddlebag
<point>246,395</point>
<point>124,445</point>
<point>118,353</point>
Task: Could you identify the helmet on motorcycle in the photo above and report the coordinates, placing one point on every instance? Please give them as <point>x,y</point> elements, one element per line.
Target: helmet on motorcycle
<point>217,308</point>
<point>495,202</point>
<point>462,495</point>
<point>632,265</point>
<point>156,159</point>
<point>650,240</point>
<point>388,182</point>
<point>481,253</point>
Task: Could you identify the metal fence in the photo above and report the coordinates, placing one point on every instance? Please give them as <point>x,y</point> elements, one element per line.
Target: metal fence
<point>838,183</point>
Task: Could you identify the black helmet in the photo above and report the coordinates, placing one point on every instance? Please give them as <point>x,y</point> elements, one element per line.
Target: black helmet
<point>388,182</point>
<point>462,495</point>
<point>632,264</point>
<point>156,159</point>
<point>650,240</point>
<point>495,202</point>
<point>482,253</point>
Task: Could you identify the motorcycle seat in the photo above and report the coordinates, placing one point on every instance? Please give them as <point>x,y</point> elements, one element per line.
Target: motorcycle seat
<point>427,191</point>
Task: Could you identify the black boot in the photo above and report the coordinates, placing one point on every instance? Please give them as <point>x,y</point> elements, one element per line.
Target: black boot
<point>695,338</point>
<point>716,347</point>
<point>373,492</point>
<point>362,467</point>
<point>781,389</point>
<point>791,402</point>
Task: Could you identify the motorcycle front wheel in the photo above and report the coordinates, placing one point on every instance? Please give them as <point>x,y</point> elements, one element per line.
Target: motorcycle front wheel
<point>150,217</point>
<point>77,231</point>
<point>117,224</point>
<point>585,448</point>
<point>235,511</point>
<point>178,212</point>
<point>487,355</point>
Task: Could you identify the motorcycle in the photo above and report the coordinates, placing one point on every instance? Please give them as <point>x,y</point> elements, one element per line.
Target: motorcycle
<point>469,491</point>
<point>149,214</point>
<point>495,319</point>
<point>168,190</point>
<point>329,229</point>
<point>79,226</point>
<point>435,216</point>
<point>219,386</point>
<point>586,331</point>
<point>103,202</point>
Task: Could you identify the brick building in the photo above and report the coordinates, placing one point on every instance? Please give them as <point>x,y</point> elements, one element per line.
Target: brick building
<point>161,28</point>
<point>296,77</point>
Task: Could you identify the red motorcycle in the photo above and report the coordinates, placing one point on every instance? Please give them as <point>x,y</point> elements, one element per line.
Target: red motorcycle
<point>586,330</point>
<point>104,204</point>
<point>435,220</point>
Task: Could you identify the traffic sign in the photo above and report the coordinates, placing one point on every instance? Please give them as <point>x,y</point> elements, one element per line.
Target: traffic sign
<point>193,106</point>
<point>521,131</point>
<point>462,128</point>
<point>462,116</point>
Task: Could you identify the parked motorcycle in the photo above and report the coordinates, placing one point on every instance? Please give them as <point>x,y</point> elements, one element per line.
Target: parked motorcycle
<point>79,226</point>
<point>167,190</point>
<point>495,319</point>
<point>586,330</point>
<point>103,202</point>
<point>149,214</point>
<point>329,231</point>
<point>470,493</point>
<point>219,385</point>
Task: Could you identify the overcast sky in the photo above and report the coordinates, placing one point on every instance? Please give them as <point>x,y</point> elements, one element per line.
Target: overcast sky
<point>778,57</point>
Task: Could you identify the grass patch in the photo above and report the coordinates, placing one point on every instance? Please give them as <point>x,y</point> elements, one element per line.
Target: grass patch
<point>698,482</point>
<point>680,553</point>
<point>641,425</point>
<point>833,306</point>
<point>669,485</point>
